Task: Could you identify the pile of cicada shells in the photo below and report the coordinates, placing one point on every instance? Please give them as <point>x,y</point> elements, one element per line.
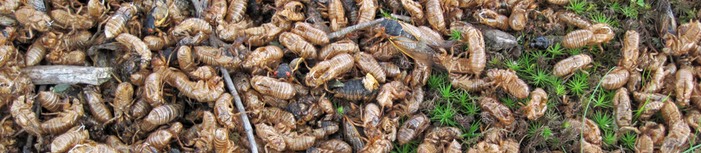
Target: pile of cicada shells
<point>294,64</point>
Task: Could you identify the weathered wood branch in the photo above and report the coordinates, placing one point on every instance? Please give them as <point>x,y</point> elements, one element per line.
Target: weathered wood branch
<point>65,74</point>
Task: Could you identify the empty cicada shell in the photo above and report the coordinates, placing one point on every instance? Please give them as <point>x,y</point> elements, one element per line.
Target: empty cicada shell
<point>194,29</point>
<point>670,113</point>
<point>80,39</point>
<point>338,47</point>
<point>76,57</point>
<point>224,112</point>
<point>274,115</point>
<point>415,9</point>
<point>655,131</point>
<point>271,137</point>
<point>153,89</point>
<point>622,103</point>
<point>273,87</point>
<point>333,145</point>
<point>519,15</point>
<point>590,130</point>
<point>412,104</point>
<point>329,69</point>
<point>644,143</point>
<point>216,57</point>
<point>201,90</point>
<point>693,118</point>
<point>558,2</point>
<point>66,19</point>
<point>34,55</point>
<point>537,106</point>
<point>615,79</point>
<point>434,15</point>
<point>310,33</point>
<point>368,64</point>
<point>630,51</point>
<point>65,120</point>
<point>390,92</point>
<point>52,101</point>
<point>337,16</point>
<point>134,43</point>
<point>469,84</point>
<point>298,45</point>
<point>492,19</point>
<point>684,86</point>
<point>577,38</point>
<point>678,134</point>
<point>33,19</point>
<point>161,115</point>
<point>261,35</point>
<point>497,110</point>
<point>263,57</point>
<point>412,128</point>
<point>371,116</point>
<point>602,33</point>
<point>570,65</point>
<point>509,82</point>
<point>573,19</point>
<point>116,24</point>
<point>66,141</point>
<point>98,108</point>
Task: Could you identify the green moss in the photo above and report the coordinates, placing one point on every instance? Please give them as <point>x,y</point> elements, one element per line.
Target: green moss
<point>609,138</point>
<point>579,83</point>
<point>603,99</point>
<point>630,12</point>
<point>444,114</point>
<point>556,50</point>
<point>534,129</point>
<point>546,133</point>
<point>578,6</point>
<point>508,102</point>
<point>603,120</point>
<point>437,80</point>
<point>628,140</point>
<point>599,17</point>
<point>467,103</point>
<point>455,35</point>
<point>541,78</point>
<point>409,147</point>
<point>446,92</point>
<point>472,131</point>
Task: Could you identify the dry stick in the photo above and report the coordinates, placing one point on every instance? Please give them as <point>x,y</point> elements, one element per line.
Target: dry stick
<point>239,106</point>
<point>68,74</point>
<point>401,17</point>
<point>350,29</point>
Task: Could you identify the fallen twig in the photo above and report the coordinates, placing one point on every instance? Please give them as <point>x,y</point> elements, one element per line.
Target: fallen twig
<point>350,29</point>
<point>66,74</point>
<point>246,124</point>
<point>401,17</point>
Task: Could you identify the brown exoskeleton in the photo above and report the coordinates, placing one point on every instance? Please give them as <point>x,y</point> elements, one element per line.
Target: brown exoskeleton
<point>329,69</point>
<point>116,24</point>
<point>509,81</point>
<point>497,110</point>
<point>412,128</point>
<point>570,65</point>
<point>33,19</point>
<point>67,140</point>
<point>615,79</point>
<point>65,120</point>
<point>537,106</point>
